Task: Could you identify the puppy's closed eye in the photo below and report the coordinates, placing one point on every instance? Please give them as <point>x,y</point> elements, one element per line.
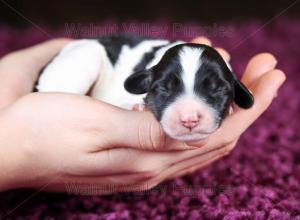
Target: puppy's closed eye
<point>173,82</point>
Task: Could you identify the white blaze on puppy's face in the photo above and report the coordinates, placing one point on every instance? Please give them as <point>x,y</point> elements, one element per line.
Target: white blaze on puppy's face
<point>190,63</point>
<point>189,117</point>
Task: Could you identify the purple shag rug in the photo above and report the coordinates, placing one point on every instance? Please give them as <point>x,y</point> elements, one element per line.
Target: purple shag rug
<point>260,179</point>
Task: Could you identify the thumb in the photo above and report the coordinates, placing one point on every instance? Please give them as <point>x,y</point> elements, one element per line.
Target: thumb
<point>141,130</point>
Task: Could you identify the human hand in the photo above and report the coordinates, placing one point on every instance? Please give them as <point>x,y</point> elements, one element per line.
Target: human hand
<point>60,158</point>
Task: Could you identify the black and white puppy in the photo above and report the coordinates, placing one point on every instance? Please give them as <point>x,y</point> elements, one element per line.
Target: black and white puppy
<point>188,87</point>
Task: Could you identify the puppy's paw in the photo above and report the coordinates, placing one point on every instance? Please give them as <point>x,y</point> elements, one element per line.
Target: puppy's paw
<point>139,107</point>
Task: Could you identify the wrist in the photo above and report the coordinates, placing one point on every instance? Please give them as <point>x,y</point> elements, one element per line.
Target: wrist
<point>6,172</point>
<point>6,176</point>
<point>10,161</point>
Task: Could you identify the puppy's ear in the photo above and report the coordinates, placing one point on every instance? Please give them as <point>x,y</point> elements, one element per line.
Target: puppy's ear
<point>243,97</point>
<point>139,82</point>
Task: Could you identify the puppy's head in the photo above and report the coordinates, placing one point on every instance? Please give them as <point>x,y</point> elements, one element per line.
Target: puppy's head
<point>190,91</point>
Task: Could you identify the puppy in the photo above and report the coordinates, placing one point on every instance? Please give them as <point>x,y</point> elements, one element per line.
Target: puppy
<point>188,87</point>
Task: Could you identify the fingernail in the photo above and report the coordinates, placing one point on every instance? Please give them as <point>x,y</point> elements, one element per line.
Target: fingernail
<point>192,147</point>
<point>270,59</point>
<point>280,83</point>
<point>189,147</point>
<point>275,62</point>
<point>195,145</point>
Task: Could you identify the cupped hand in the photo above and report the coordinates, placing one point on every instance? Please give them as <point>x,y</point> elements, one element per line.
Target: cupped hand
<point>54,140</point>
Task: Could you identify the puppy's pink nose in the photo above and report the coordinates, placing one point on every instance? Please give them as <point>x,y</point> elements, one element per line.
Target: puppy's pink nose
<point>190,121</point>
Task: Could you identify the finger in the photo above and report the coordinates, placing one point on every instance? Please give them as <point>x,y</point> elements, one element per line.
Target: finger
<point>121,160</point>
<point>192,169</point>
<point>193,165</point>
<point>132,161</point>
<point>264,91</point>
<point>223,53</point>
<point>95,185</point>
<point>257,66</point>
<point>112,180</point>
<point>145,132</point>
<point>201,40</point>
<point>19,70</point>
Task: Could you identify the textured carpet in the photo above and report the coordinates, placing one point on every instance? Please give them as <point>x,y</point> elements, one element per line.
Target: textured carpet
<point>259,180</point>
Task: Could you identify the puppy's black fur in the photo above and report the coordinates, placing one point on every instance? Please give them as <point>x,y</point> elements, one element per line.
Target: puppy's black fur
<point>114,43</point>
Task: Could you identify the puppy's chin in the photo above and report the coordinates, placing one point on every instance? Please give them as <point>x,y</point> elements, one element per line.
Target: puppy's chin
<point>189,137</point>
<point>183,134</point>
